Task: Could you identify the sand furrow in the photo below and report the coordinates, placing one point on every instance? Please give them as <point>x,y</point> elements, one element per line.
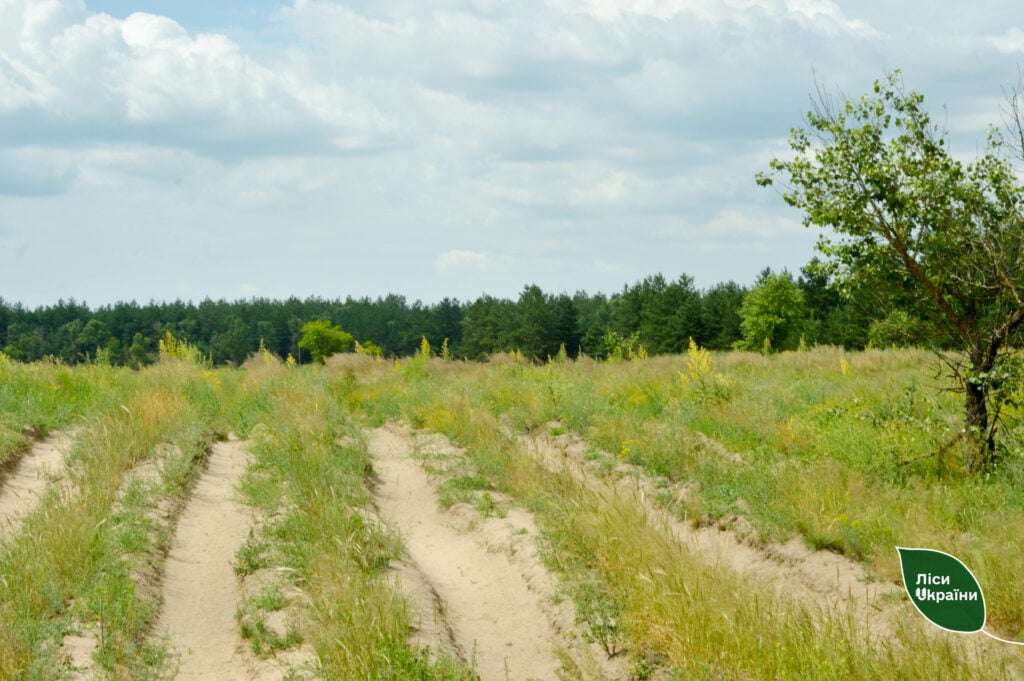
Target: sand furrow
<point>493,614</point>
<point>200,590</point>
<point>816,578</point>
<point>23,489</point>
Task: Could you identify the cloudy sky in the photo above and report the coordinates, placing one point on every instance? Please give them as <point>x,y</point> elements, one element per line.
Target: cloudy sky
<point>187,149</point>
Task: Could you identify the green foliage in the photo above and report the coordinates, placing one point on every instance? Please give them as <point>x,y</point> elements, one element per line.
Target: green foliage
<point>71,564</point>
<point>618,348</point>
<point>847,459</point>
<point>908,225</point>
<point>598,611</point>
<point>488,327</point>
<point>138,353</point>
<point>701,378</point>
<point>854,462</point>
<point>664,313</point>
<point>535,320</point>
<point>899,329</point>
<point>233,344</point>
<point>719,316</point>
<point>322,339</point>
<point>771,313</point>
<point>369,348</point>
<point>175,350</point>
<point>313,483</point>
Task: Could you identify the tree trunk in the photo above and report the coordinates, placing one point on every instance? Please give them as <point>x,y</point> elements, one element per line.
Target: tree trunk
<point>976,425</point>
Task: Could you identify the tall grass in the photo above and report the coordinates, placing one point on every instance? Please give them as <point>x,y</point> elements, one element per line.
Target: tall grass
<point>69,565</point>
<point>704,621</point>
<point>45,396</point>
<point>843,449</point>
<point>838,448</point>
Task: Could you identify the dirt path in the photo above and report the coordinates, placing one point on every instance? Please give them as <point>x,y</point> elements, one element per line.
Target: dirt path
<point>496,611</point>
<point>200,589</point>
<point>24,488</point>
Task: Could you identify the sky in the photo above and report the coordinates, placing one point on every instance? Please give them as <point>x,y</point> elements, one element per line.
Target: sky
<point>180,149</point>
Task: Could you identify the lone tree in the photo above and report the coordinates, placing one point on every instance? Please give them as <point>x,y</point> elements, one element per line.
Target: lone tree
<point>906,221</point>
<point>323,340</point>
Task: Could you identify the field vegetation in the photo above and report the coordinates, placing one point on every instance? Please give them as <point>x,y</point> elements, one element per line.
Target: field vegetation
<point>847,451</point>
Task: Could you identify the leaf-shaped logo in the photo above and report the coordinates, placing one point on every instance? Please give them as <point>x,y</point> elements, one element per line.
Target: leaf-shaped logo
<point>943,590</point>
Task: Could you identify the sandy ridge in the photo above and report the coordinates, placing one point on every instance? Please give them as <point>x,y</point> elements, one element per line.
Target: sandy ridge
<point>165,575</point>
<point>821,581</point>
<point>816,577</point>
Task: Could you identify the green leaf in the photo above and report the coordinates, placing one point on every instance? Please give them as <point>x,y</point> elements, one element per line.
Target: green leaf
<point>943,590</point>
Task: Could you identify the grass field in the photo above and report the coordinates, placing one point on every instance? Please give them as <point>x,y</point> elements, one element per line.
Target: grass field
<point>844,451</point>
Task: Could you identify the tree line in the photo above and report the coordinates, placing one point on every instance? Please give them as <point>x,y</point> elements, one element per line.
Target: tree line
<point>657,313</point>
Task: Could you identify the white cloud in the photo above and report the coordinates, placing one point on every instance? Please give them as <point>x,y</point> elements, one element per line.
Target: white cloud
<point>819,15</point>
<point>145,78</point>
<point>607,267</point>
<point>464,260</point>
<point>826,16</point>
<point>734,228</point>
<point>621,136</point>
<point>33,172</point>
<point>1010,42</point>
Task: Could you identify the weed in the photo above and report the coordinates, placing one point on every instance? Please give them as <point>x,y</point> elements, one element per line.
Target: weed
<point>598,611</point>
<point>252,556</point>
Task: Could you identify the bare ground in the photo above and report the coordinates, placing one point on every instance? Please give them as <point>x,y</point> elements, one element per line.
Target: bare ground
<point>200,590</point>
<point>479,584</point>
<point>23,489</point>
<point>165,575</point>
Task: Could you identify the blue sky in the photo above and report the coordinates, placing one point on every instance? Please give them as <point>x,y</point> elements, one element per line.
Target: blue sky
<point>202,15</point>
<point>169,149</point>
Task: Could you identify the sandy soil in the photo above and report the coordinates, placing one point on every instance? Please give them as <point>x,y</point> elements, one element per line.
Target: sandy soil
<point>200,589</point>
<point>482,578</point>
<point>25,486</point>
<point>819,580</point>
<point>79,650</point>
<point>193,580</point>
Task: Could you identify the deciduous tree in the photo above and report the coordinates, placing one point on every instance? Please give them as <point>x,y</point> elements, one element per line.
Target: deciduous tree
<point>322,339</point>
<point>771,313</point>
<point>901,216</point>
